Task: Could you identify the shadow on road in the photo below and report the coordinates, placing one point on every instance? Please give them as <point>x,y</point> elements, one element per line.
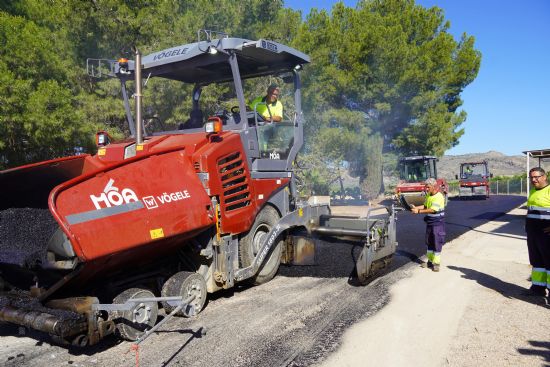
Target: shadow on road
<point>409,255</point>
<point>539,349</point>
<point>194,335</point>
<point>44,339</point>
<point>507,290</point>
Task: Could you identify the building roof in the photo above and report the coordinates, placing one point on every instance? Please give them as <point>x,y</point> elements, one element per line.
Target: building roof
<point>538,153</point>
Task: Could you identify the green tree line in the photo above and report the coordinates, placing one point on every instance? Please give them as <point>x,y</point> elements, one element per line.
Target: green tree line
<point>385,78</point>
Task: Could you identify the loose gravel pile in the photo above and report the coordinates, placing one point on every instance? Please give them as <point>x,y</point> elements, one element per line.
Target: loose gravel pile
<point>24,235</point>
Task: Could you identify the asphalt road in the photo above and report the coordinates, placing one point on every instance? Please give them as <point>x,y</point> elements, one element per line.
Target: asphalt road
<point>461,216</point>
<point>297,319</point>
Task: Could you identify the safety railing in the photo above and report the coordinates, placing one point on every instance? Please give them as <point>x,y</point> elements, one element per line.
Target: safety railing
<point>512,186</point>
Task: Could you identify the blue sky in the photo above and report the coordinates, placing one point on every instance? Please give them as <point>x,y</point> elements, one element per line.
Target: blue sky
<point>508,104</point>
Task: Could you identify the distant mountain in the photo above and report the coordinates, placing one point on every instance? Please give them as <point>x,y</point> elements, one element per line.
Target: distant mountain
<point>499,164</point>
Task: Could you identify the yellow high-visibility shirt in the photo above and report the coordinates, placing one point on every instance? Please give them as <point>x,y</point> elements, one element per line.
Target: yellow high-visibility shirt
<point>264,109</point>
<point>435,202</point>
<point>539,198</point>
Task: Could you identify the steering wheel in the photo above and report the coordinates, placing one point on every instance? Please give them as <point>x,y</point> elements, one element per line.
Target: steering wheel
<point>235,110</point>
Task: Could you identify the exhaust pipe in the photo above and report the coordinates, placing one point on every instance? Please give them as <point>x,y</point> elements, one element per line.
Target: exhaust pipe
<point>138,95</point>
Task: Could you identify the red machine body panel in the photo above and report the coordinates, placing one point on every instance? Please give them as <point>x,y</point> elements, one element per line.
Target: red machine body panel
<point>118,211</point>
<point>147,205</point>
<point>474,183</point>
<point>122,212</point>
<point>419,187</point>
<point>410,187</point>
<point>128,206</point>
<point>240,196</point>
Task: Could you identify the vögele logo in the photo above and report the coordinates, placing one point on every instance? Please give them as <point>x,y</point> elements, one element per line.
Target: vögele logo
<point>150,202</point>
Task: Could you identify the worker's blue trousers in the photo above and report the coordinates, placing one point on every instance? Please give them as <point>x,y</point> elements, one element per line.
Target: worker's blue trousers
<point>435,236</point>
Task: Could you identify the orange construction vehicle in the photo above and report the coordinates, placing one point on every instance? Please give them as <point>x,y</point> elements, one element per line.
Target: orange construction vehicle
<point>474,180</point>
<point>413,171</point>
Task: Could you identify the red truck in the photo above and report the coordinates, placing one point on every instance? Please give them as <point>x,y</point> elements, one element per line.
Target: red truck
<point>474,180</point>
<point>96,244</point>
<point>413,172</point>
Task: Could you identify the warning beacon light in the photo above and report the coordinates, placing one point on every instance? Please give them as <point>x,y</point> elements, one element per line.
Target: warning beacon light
<point>123,64</point>
<point>213,125</point>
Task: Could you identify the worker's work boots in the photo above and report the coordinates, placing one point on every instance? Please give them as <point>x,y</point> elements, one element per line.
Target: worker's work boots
<point>435,267</point>
<point>536,290</point>
<point>427,264</point>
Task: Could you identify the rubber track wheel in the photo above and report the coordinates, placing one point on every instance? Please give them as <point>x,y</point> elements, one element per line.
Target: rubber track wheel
<point>266,219</point>
<point>184,284</point>
<point>126,327</point>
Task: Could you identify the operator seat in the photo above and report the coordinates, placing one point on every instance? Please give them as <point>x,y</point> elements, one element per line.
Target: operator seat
<point>194,121</point>
<point>196,118</point>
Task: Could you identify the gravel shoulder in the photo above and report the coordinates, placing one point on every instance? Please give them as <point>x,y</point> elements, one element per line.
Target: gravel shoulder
<point>472,313</point>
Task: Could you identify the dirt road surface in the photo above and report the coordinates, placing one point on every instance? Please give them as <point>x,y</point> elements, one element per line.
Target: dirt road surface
<point>317,315</point>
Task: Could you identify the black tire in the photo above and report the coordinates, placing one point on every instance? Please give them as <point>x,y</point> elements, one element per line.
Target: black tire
<point>250,245</point>
<point>185,284</point>
<point>133,323</point>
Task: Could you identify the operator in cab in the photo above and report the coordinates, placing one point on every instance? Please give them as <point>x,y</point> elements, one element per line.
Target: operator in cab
<point>269,106</point>
<point>537,226</point>
<point>434,208</point>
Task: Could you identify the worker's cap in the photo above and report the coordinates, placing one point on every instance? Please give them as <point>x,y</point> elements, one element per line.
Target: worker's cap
<point>272,87</point>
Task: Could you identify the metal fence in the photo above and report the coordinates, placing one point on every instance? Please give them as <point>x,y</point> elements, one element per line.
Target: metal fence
<point>515,186</point>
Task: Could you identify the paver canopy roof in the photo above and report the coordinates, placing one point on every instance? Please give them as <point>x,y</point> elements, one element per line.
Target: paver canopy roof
<point>207,61</point>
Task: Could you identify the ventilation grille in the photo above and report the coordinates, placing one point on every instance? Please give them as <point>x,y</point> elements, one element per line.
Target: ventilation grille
<point>236,193</point>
